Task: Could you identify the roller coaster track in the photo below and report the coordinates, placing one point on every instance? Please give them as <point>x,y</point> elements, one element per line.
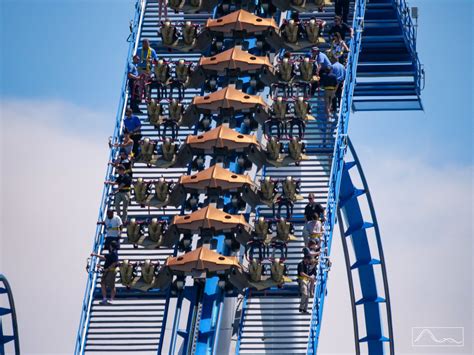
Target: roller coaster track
<point>8,312</point>
<point>198,320</point>
<point>361,263</point>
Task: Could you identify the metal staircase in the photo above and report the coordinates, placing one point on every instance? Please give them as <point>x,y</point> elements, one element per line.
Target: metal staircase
<point>389,74</point>
<point>134,323</point>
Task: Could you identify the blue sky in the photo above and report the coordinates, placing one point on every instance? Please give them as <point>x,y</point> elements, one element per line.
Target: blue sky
<point>74,50</point>
<point>71,50</point>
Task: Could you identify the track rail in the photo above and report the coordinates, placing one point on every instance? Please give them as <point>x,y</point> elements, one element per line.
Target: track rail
<point>99,235</point>
<point>4,313</point>
<point>361,263</point>
<point>340,148</point>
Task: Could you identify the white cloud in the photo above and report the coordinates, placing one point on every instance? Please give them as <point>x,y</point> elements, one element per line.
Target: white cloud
<point>51,187</point>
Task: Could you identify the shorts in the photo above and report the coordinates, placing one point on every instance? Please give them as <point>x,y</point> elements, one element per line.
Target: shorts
<point>329,94</point>
<point>108,278</point>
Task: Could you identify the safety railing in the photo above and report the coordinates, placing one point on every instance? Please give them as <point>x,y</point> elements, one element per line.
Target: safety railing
<point>340,148</point>
<point>99,236</point>
<point>409,32</point>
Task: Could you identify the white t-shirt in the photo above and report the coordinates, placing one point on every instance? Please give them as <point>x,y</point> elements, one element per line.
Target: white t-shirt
<point>112,227</point>
<point>318,228</point>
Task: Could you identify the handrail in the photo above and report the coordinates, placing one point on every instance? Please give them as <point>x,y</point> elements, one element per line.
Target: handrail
<point>409,32</point>
<point>11,302</point>
<point>340,148</point>
<point>99,236</point>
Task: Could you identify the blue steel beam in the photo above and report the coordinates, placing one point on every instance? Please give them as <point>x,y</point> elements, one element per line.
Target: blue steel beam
<point>365,264</point>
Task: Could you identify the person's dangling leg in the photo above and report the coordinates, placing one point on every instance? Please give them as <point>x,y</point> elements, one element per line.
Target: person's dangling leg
<point>278,124</point>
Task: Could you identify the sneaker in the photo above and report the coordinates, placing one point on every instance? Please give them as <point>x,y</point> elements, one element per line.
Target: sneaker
<point>104,302</point>
<point>305,312</point>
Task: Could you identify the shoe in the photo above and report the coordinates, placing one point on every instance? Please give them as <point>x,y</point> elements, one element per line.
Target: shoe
<point>104,302</point>
<point>305,312</point>
<point>300,310</point>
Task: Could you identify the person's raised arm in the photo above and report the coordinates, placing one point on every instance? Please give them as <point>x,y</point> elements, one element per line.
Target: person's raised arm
<point>101,257</point>
<point>346,48</point>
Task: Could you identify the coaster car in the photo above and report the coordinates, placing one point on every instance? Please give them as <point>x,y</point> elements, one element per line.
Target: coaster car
<point>208,221</point>
<point>283,231</point>
<point>154,237</point>
<point>274,154</point>
<point>291,188</point>
<point>149,271</point>
<point>296,35</point>
<point>226,103</point>
<point>221,140</point>
<point>192,6</point>
<point>266,193</point>
<point>135,231</point>
<point>186,40</point>
<point>307,69</point>
<point>213,181</point>
<point>302,109</point>
<point>201,263</point>
<point>147,151</point>
<point>161,196</point>
<point>168,156</point>
<point>155,113</point>
<point>234,63</point>
<point>239,25</point>
<point>300,5</point>
<point>183,75</point>
<point>254,279</point>
<point>151,275</point>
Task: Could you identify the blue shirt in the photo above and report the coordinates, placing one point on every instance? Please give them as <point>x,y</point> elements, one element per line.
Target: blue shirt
<point>132,69</point>
<point>339,71</point>
<point>323,60</point>
<point>131,123</point>
<point>142,53</point>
